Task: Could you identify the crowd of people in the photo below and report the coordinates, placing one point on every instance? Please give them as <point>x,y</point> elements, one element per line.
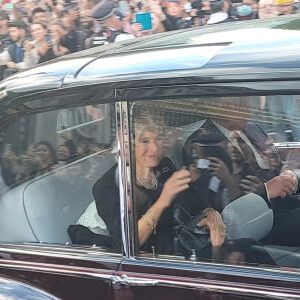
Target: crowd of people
<point>35,31</point>
<point>41,158</point>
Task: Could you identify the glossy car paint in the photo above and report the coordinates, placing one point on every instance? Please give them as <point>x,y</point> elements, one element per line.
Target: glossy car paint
<point>64,273</point>
<point>10,289</point>
<point>236,64</point>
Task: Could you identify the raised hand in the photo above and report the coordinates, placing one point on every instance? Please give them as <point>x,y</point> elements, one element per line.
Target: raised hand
<point>177,183</point>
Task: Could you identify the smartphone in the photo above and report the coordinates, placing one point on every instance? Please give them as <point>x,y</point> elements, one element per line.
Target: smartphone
<point>9,6</point>
<point>54,45</point>
<point>145,20</point>
<point>7,148</point>
<point>203,163</point>
<point>48,37</point>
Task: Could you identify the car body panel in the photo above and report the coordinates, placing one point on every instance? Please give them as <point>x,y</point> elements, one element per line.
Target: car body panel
<point>240,54</point>
<point>206,281</point>
<point>75,274</point>
<point>219,60</point>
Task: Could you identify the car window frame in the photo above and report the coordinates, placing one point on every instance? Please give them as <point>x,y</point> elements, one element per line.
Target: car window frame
<point>221,89</point>
<point>61,250</point>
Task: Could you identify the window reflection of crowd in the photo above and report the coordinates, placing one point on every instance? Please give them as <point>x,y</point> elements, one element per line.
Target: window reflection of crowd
<point>41,158</point>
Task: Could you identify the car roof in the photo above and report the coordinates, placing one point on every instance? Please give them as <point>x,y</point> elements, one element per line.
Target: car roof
<point>246,50</point>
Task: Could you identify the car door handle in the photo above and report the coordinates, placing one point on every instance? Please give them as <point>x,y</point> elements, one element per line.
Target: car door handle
<point>130,281</point>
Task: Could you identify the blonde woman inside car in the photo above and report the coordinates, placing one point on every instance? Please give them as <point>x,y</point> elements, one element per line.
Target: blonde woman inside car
<point>155,188</point>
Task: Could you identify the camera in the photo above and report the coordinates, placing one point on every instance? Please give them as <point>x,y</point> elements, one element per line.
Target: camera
<point>201,13</point>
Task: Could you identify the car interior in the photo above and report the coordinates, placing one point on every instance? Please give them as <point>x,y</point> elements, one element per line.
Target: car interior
<point>40,208</point>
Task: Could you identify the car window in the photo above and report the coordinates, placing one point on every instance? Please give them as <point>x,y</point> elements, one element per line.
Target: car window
<point>58,172</point>
<point>216,179</point>
<point>70,119</point>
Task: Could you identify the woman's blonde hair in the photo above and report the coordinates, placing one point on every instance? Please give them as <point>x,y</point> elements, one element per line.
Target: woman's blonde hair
<point>147,123</point>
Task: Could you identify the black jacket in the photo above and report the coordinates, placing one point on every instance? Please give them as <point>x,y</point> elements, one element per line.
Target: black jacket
<point>106,194</point>
<point>5,41</point>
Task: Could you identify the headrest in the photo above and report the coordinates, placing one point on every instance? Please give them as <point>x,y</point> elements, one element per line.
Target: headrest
<point>247,217</point>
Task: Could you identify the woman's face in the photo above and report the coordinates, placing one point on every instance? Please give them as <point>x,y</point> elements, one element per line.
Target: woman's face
<point>266,9</point>
<point>66,20</point>
<point>174,9</point>
<point>56,32</point>
<point>38,32</point>
<point>43,152</point>
<point>148,149</point>
<point>62,153</point>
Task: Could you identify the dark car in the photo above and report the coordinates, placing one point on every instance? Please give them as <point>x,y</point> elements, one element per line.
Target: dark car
<point>160,168</point>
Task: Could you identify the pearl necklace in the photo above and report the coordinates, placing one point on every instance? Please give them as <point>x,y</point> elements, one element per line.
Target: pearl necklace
<point>145,184</point>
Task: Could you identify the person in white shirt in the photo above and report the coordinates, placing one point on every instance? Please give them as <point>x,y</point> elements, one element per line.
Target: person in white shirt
<point>13,56</point>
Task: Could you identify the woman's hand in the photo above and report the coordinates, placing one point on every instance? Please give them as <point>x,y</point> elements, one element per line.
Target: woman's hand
<point>9,155</point>
<point>177,183</point>
<point>60,50</point>
<point>45,47</point>
<point>10,159</point>
<point>136,28</point>
<point>28,46</point>
<point>217,228</point>
<point>157,10</point>
<point>251,184</point>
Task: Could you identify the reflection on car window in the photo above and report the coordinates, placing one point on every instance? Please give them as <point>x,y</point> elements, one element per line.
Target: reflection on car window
<point>217,178</point>
<point>54,169</point>
<point>69,119</point>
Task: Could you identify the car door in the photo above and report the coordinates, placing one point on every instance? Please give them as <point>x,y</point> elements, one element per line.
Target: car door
<point>52,157</point>
<point>150,274</point>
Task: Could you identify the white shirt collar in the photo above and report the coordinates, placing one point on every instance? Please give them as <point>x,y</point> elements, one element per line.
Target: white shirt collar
<point>217,18</point>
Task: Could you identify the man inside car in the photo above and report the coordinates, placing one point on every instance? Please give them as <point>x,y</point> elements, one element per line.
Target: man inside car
<point>278,184</point>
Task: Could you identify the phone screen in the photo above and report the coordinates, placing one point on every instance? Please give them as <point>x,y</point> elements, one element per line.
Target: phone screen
<point>145,20</point>
<point>48,37</point>
<point>9,6</point>
<point>7,148</point>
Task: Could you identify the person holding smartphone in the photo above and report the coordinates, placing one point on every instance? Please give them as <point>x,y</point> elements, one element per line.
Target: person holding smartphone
<point>57,31</point>
<point>13,56</point>
<point>41,48</point>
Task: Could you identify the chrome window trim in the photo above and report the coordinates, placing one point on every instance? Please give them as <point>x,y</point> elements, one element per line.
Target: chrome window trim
<point>133,279</point>
<point>210,285</point>
<point>172,263</point>
<point>125,185</point>
<point>57,269</point>
<point>88,254</point>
